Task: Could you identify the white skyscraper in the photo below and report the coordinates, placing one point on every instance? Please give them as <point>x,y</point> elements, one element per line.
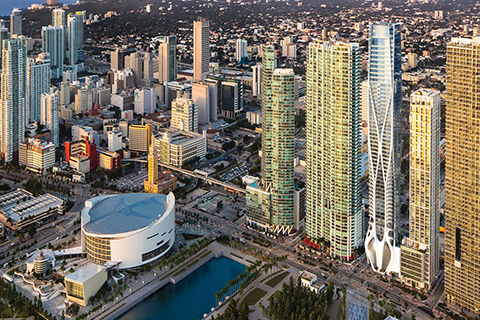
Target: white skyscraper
<point>72,39</point>
<point>53,42</point>
<point>13,99</point>
<point>257,80</point>
<point>384,134</point>
<point>38,82</point>
<point>201,49</point>
<point>49,115</point>
<point>204,94</point>
<point>241,49</point>
<point>16,22</point>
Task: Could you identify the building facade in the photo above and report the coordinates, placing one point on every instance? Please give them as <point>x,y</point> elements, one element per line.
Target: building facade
<point>270,202</point>
<point>36,155</point>
<point>53,42</point>
<point>420,251</point>
<point>462,190</point>
<point>178,147</point>
<point>49,111</point>
<point>384,138</point>
<point>139,137</point>
<point>334,209</point>
<point>201,48</point>
<point>14,97</point>
<point>38,83</point>
<point>184,115</point>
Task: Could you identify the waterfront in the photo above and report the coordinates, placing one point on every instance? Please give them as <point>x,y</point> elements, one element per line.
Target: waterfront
<point>6,7</point>
<point>190,298</point>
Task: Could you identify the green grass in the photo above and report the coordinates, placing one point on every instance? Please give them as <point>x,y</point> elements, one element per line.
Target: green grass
<point>276,280</point>
<point>253,297</point>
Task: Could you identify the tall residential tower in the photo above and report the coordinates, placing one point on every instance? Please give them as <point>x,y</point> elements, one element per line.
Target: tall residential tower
<point>420,251</point>
<point>334,210</point>
<point>384,134</point>
<point>13,98</point>
<point>270,202</point>
<point>462,170</point>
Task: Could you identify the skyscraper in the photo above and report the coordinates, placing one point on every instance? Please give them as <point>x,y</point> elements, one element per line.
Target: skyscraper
<point>3,35</point>
<point>167,59</point>
<point>241,49</point>
<point>147,80</point>
<point>257,80</point>
<point>49,115</point>
<point>53,42</point>
<point>420,251</point>
<point>16,22</point>
<point>135,62</point>
<point>334,210</point>
<point>462,169</point>
<point>72,36</point>
<point>59,18</point>
<point>38,82</point>
<point>13,99</point>
<point>270,202</point>
<point>384,134</point>
<point>201,48</point>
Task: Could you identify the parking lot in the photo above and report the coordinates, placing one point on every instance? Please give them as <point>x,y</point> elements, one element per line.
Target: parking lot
<point>132,181</point>
<point>236,172</point>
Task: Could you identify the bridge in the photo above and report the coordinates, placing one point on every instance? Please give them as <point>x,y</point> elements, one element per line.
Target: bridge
<point>226,185</point>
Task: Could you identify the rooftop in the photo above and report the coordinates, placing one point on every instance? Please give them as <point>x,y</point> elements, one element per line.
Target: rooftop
<point>85,273</point>
<point>125,212</point>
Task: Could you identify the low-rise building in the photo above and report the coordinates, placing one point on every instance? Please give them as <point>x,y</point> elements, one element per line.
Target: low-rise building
<point>178,147</point>
<point>20,209</point>
<point>109,160</point>
<point>84,283</point>
<point>38,156</point>
<point>309,280</point>
<point>82,155</point>
<point>40,262</point>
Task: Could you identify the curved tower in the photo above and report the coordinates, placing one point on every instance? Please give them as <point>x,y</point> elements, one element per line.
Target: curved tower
<point>384,133</point>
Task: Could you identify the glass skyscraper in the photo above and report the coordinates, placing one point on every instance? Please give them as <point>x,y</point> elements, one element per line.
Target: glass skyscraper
<point>384,134</point>
<point>334,208</point>
<point>270,202</point>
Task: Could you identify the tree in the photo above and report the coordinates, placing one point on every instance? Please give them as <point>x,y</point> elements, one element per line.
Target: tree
<point>32,231</point>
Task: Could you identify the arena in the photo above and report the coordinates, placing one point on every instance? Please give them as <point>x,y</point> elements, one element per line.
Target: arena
<point>128,230</point>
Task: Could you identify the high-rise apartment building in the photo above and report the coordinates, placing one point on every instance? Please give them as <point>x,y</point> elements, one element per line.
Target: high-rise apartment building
<point>420,251</point>
<point>167,59</point>
<point>334,209</point>
<point>117,60</point>
<point>49,115</point>
<point>270,202</point>
<point>53,43</point>
<point>3,36</point>
<point>384,135</point>
<point>16,22</point>
<point>201,48</point>
<point>462,188</point>
<point>184,115</point>
<point>257,80</point>
<point>59,19</point>
<point>14,97</point>
<point>72,36</point>
<point>38,82</point>
<point>241,50</point>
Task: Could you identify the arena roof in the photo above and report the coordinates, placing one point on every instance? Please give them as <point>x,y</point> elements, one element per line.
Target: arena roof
<point>125,213</point>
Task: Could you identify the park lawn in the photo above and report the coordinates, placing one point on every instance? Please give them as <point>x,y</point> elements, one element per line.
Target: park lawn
<point>253,297</point>
<point>276,280</point>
